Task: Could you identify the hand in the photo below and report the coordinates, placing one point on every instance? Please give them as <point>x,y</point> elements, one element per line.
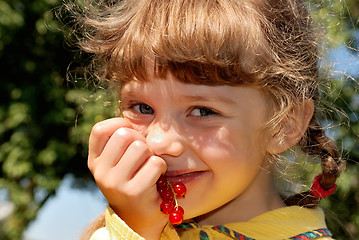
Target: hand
<point>126,172</point>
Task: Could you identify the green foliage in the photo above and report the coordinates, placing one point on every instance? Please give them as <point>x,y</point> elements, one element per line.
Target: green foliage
<point>341,102</point>
<point>46,119</point>
<point>342,208</point>
<point>338,17</point>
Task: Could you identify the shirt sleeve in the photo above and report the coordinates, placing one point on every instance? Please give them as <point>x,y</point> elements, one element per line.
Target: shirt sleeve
<point>117,229</point>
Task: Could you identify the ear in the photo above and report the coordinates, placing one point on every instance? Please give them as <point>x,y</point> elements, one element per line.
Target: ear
<point>292,128</point>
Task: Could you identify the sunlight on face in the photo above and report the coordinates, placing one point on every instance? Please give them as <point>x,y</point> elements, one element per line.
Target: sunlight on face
<point>211,137</point>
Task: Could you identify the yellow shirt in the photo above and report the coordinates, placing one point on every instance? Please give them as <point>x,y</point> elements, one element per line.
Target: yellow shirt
<point>279,224</point>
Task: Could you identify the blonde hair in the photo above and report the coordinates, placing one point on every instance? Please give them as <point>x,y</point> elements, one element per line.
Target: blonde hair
<point>267,43</point>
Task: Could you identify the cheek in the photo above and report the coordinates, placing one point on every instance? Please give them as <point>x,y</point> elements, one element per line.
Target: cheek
<point>216,145</point>
<point>232,146</point>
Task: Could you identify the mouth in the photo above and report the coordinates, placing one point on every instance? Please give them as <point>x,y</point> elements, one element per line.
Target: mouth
<point>184,177</point>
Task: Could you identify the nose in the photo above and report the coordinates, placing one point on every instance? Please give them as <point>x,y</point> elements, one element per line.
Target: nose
<point>164,140</point>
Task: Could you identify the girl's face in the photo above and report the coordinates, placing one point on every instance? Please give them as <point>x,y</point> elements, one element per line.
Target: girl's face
<point>212,139</point>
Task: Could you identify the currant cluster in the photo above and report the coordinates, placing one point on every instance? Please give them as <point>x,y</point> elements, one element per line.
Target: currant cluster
<point>169,194</point>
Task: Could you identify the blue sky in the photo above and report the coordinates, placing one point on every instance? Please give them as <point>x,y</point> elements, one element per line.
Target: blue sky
<point>67,214</point>
<point>344,62</point>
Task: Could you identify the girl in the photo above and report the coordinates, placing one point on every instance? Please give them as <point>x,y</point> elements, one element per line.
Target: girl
<point>212,92</point>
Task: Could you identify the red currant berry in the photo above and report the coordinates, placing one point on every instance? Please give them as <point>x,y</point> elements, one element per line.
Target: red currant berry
<point>179,209</point>
<point>167,195</point>
<point>179,189</point>
<point>162,191</point>
<point>166,207</point>
<point>162,182</point>
<point>176,217</point>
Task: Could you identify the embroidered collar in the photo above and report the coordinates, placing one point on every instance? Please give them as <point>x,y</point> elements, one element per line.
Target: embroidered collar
<point>322,232</point>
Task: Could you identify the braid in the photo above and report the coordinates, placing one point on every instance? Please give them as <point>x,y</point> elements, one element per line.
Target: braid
<point>315,142</point>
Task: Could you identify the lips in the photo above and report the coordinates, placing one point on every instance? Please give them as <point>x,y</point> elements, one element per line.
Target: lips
<point>184,177</point>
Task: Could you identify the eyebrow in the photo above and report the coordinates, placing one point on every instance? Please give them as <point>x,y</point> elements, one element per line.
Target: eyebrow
<point>208,99</point>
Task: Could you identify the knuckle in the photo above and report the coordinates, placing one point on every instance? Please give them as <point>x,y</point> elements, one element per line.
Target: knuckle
<point>129,133</point>
<point>90,165</point>
<point>98,176</point>
<point>158,162</point>
<point>139,145</point>
<point>124,133</point>
<point>97,129</point>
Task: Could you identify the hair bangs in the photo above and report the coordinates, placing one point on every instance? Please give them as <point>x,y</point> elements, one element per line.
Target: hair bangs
<point>200,42</point>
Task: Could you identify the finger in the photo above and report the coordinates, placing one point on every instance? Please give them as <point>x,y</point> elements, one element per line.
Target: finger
<point>150,172</point>
<point>102,132</point>
<point>133,158</point>
<point>115,148</point>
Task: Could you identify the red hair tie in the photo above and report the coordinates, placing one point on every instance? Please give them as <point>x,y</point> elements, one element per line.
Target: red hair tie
<point>317,191</point>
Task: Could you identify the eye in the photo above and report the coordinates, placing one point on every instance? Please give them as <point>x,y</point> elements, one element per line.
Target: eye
<point>202,112</point>
<point>143,108</point>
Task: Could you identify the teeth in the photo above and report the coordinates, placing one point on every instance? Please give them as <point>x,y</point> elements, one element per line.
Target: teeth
<point>183,174</point>
<point>172,174</point>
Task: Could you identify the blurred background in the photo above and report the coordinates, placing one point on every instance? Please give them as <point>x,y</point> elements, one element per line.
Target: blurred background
<point>47,110</point>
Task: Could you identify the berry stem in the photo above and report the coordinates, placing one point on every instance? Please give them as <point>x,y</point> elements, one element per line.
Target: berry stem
<point>120,108</point>
<point>174,194</point>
